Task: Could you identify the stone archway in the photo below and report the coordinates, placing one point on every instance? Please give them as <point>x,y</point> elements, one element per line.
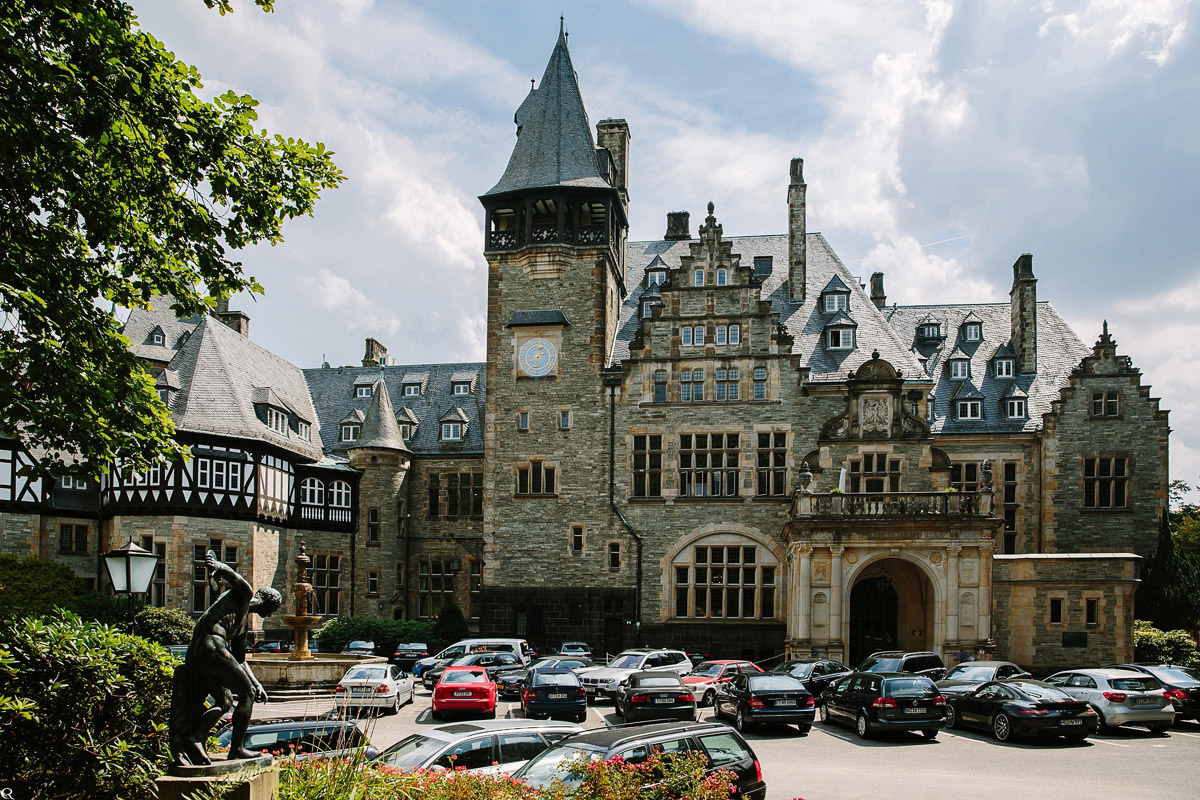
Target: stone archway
<point>892,607</point>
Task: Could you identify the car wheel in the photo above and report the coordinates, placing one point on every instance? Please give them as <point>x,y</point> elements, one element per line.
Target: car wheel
<point>394,708</point>
<point>1002,728</point>
<point>739,721</point>
<point>862,726</point>
<point>803,728</point>
<point>492,714</point>
<point>951,716</point>
<point>1158,730</point>
<point>824,714</point>
<point>929,734</point>
<point>581,716</point>
<point>437,715</point>
<point>1102,726</point>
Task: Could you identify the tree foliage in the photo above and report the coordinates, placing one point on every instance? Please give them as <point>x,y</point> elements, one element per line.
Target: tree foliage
<point>1163,647</point>
<point>118,183</point>
<point>385,633</point>
<point>32,587</point>
<point>164,625</point>
<point>83,708</point>
<point>1169,596</point>
<point>450,625</point>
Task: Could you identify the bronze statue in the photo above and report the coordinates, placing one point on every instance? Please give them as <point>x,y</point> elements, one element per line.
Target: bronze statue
<point>215,665</point>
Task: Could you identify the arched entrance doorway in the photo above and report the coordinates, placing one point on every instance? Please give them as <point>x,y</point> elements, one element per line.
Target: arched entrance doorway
<point>891,608</point>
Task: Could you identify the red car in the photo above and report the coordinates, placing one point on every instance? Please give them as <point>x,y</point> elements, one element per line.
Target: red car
<point>708,675</point>
<point>464,689</point>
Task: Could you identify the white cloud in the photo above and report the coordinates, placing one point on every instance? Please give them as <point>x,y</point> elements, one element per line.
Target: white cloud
<point>349,304</point>
<point>1154,27</point>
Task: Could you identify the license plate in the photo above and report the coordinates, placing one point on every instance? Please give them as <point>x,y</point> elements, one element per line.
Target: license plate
<point>785,702</point>
<point>361,690</point>
<point>664,700</point>
<point>916,710</point>
<point>464,694</point>
<point>1145,701</point>
<point>1070,722</point>
<point>558,696</point>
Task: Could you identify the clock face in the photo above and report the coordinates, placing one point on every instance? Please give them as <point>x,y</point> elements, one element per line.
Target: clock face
<point>537,357</point>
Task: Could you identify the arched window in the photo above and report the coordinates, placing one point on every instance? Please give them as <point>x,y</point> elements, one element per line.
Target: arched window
<point>339,494</point>
<point>312,492</point>
<point>725,576</point>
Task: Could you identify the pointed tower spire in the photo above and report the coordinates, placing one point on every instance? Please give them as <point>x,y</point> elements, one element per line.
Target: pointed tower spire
<point>379,427</point>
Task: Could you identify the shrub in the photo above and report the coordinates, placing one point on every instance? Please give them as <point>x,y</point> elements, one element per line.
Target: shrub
<point>32,587</point>
<point>106,609</point>
<point>385,633</point>
<point>164,625</point>
<point>450,625</point>
<point>86,711</point>
<point>1167,647</point>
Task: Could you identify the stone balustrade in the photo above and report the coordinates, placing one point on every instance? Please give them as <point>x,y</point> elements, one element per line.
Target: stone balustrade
<point>892,504</point>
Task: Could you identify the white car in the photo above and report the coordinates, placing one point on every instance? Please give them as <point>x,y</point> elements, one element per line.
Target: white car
<point>604,681</point>
<point>381,686</point>
<point>1119,697</point>
<point>491,747</point>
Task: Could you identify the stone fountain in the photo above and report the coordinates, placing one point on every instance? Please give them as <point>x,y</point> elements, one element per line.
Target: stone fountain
<point>300,621</point>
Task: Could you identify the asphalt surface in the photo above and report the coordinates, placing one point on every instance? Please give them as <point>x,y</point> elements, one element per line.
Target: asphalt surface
<point>831,763</point>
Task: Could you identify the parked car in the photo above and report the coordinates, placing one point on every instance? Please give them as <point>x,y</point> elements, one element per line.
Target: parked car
<point>725,749</point>
<point>1119,696</point>
<point>303,738</point>
<point>464,689</point>
<point>581,649</point>
<point>464,646</point>
<point>603,681</point>
<point>700,651</point>
<point>359,648</point>
<point>405,654</point>
<point>553,691</point>
<point>271,647</point>
<point>495,663</point>
<point>968,676</point>
<point>750,698</point>
<point>381,686</point>
<point>654,695</point>
<point>709,675</point>
<point>509,684</point>
<point>880,701</point>
<point>488,747</point>
<point>1020,707</point>
<point>922,662</point>
<point>178,650</point>
<point>816,673</point>
<point>1182,685</point>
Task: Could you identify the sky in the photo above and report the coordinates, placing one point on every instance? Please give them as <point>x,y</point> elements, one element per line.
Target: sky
<point>941,141</point>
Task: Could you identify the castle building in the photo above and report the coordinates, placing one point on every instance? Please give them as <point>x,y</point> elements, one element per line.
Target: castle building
<point>698,440</point>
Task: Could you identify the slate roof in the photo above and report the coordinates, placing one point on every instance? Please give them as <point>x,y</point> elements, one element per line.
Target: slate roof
<point>549,316</point>
<point>804,321</point>
<point>1059,351</point>
<point>223,373</point>
<point>379,428</point>
<point>332,390</point>
<point>143,321</point>
<point>554,139</point>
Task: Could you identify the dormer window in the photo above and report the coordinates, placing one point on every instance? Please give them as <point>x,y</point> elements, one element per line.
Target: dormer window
<point>1004,367</point>
<point>461,388</point>
<point>762,267</point>
<point>351,432</point>
<point>406,430</point>
<point>1016,408</point>
<point>969,409</point>
<point>412,390</point>
<point>960,369</point>
<point>839,339</point>
<point>930,330</point>
<point>183,337</point>
<point>157,337</point>
<point>836,301</point>
<point>303,431</point>
<point>658,277</point>
<point>452,431</point>
<point>164,394</point>
<point>973,332</point>
<point>647,310</point>
<point>362,391</point>
<point>277,420</point>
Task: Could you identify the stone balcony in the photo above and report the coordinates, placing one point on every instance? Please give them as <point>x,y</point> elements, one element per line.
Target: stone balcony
<point>896,505</point>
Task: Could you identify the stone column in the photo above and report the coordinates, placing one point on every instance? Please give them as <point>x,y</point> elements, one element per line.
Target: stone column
<point>984,604</point>
<point>835,595</point>
<point>952,552</point>
<point>803,630</point>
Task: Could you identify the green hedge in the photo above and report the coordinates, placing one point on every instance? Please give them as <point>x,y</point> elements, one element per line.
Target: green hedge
<point>334,635</point>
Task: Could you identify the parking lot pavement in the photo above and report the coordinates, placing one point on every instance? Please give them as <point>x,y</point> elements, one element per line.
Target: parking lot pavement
<point>831,763</point>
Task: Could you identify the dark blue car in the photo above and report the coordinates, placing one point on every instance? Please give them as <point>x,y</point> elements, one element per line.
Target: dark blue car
<point>554,692</point>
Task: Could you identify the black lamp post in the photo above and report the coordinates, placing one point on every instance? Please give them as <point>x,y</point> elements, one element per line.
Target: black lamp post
<point>131,569</point>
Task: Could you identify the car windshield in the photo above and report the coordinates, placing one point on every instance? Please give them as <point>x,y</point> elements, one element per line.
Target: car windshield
<point>365,674</point>
<point>543,769</point>
<point>970,672</point>
<point>544,662</point>
<point>464,676</point>
<point>769,682</point>
<point>880,664</point>
<point>555,679</point>
<point>797,670</point>
<point>1038,692</point>
<point>574,646</point>
<point>412,752</point>
<point>658,681</point>
<point>631,661</point>
<point>360,645</point>
<point>909,687</point>
<point>708,669</point>
<point>1146,684</point>
<point>1176,674</point>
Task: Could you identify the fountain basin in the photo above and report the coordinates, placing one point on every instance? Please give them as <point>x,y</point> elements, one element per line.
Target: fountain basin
<point>323,671</point>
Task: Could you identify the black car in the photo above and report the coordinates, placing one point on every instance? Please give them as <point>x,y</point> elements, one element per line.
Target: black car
<point>970,675</point>
<point>654,695</point>
<point>749,698</point>
<point>406,654</point>
<point>815,673</point>
<point>723,747</point>
<point>921,662</point>
<point>884,701</point>
<point>1022,708</point>
<point>509,683</point>
<point>699,651</point>
<point>554,691</point>
<point>303,738</point>
<point>1182,685</point>
<point>496,664</point>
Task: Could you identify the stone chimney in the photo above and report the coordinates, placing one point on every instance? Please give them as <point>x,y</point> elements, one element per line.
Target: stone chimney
<point>678,226</point>
<point>797,247</point>
<point>235,320</point>
<point>613,136</point>
<point>1023,305</point>
<point>374,352</point>
<point>877,295</point>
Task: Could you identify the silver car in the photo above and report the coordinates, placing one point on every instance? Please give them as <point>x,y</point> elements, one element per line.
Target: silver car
<point>604,681</point>
<point>490,747</point>
<point>1119,697</point>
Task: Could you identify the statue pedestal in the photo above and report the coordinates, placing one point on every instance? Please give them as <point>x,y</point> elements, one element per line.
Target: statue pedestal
<point>245,779</point>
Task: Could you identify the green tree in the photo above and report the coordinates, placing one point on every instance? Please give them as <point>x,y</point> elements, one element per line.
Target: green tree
<point>119,183</point>
<point>1163,647</point>
<point>32,587</point>
<point>450,626</point>
<point>164,625</point>
<point>1169,596</point>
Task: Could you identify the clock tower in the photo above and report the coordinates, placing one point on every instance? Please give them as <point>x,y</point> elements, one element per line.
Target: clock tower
<point>555,240</point>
